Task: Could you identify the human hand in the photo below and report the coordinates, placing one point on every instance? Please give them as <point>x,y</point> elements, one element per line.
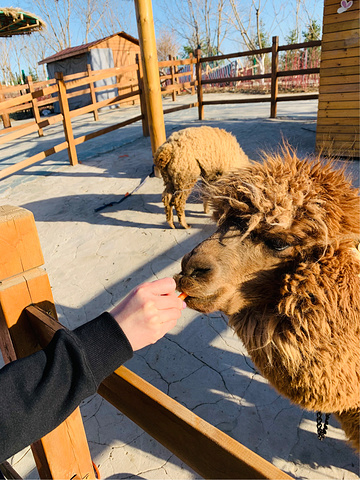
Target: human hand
<point>148,312</point>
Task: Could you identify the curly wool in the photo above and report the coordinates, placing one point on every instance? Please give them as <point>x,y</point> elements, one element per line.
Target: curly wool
<point>304,336</point>
<point>191,153</point>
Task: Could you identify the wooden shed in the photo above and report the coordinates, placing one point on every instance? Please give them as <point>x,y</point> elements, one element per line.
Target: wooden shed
<point>119,49</point>
<point>338,114</point>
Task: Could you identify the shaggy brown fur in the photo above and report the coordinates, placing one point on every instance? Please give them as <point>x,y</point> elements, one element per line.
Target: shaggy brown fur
<point>192,153</point>
<point>282,266</point>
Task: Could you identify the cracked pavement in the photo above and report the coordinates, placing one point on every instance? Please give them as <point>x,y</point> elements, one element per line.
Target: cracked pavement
<point>94,259</point>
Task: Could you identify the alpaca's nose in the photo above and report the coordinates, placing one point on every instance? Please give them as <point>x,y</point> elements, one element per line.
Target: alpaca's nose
<point>195,265</point>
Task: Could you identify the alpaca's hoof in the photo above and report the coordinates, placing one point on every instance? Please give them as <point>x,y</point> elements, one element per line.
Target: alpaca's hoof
<point>171,225</point>
<point>185,225</point>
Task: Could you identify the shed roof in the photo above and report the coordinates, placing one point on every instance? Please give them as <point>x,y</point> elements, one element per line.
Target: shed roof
<point>78,50</point>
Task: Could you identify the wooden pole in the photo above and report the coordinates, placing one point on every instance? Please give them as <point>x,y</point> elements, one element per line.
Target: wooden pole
<point>274,76</point>
<point>64,108</point>
<point>172,73</point>
<point>199,84</point>
<point>64,452</point>
<point>4,116</point>
<point>35,107</point>
<point>92,93</point>
<point>192,75</point>
<point>143,103</point>
<point>145,22</point>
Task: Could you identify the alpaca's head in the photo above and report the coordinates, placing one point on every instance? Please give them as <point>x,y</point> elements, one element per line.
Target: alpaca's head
<point>272,218</point>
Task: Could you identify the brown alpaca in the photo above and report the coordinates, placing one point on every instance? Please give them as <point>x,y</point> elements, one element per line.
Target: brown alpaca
<point>282,265</point>
<point>192,153</point>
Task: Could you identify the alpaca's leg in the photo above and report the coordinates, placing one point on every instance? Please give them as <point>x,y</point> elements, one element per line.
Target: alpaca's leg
<point>179,204</point>
<point>350,423</point>
<point>168,199</point>
<point>206,205</point>
<point>205,201</point>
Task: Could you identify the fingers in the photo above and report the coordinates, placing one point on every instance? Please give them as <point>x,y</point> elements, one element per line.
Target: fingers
<point>164,286</point>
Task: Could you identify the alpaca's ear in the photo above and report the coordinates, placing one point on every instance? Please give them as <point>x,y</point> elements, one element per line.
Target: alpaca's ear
<point>322,292</point>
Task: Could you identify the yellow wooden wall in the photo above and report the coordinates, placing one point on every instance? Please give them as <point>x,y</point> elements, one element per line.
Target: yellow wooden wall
<point>124,53</point>
<point>338,112</point>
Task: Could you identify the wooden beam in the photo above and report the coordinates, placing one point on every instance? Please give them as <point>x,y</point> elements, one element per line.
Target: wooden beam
<point>207,450</point>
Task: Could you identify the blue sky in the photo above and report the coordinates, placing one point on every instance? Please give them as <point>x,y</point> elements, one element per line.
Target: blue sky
<point>276,24</point>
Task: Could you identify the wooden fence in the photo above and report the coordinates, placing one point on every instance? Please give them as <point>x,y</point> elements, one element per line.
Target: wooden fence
<point>41,94</point>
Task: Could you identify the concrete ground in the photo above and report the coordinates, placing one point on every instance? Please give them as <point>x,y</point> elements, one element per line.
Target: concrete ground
<point>94,258</point>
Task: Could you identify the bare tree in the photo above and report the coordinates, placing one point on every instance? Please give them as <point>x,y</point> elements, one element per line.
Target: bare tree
<point>196,22</point>
<point>166,44</point>
<point>250,29</point>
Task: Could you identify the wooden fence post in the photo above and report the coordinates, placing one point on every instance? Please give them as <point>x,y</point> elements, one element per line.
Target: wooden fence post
<point>4,116</point>
<point>199,84</point>
<point>192,74</point>
<point>274,76</point>
<point>64,108</point>
<point>172,73</point>
<point>145,22</point>
<point>64,452</point>
<point>92,93</point>
<point>35,107</point>
<point>143,103</point>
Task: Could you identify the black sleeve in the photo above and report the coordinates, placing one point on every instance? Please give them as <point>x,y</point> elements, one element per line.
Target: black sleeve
<point>40,391</point>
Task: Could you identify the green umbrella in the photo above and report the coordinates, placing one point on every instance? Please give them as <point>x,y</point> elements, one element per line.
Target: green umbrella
<point>15,21</point>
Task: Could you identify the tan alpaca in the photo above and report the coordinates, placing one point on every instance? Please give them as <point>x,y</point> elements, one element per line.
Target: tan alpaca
<point>283,267</point>
<point>192,153</point>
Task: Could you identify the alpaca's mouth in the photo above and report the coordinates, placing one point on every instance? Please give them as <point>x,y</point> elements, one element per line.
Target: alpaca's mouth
<point>204,304</point>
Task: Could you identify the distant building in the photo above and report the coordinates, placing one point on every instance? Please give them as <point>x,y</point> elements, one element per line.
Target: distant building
<point>119,49</point>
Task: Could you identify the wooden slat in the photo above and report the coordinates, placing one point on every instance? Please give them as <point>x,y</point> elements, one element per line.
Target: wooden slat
<point>338,113</point>
<point>98,133</point>
<point>5,172</point>
<point>341,26</point>
<point>339,129</point>
<point>345,79</point>
<point>339,63</point>
<point>340,137</point>
<point>339,72</point>
<point>341,53</point>
<point>351,121</point>
<point>340,105</point>
<point>262,99</point>
<point>207,450</point>
<point>31,128</point>
<point>100,76</point>
<point>102,104</point>
<point>335,17</point>
<point>348,42</point>
<point>181,107</point>
<point>336,88</point>
<point>7,130</point>
<point>169,63</point>
<point>342,148</point>
<point>345,96</point>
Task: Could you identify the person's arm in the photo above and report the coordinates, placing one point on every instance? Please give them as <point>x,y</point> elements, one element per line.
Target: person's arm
<point>38,392</point>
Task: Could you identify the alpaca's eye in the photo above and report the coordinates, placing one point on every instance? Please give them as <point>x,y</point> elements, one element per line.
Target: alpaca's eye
<point>276,244</point>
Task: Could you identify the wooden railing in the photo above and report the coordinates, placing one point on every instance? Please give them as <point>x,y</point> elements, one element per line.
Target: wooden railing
<point>37,95</point>
<point>62,89</point>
